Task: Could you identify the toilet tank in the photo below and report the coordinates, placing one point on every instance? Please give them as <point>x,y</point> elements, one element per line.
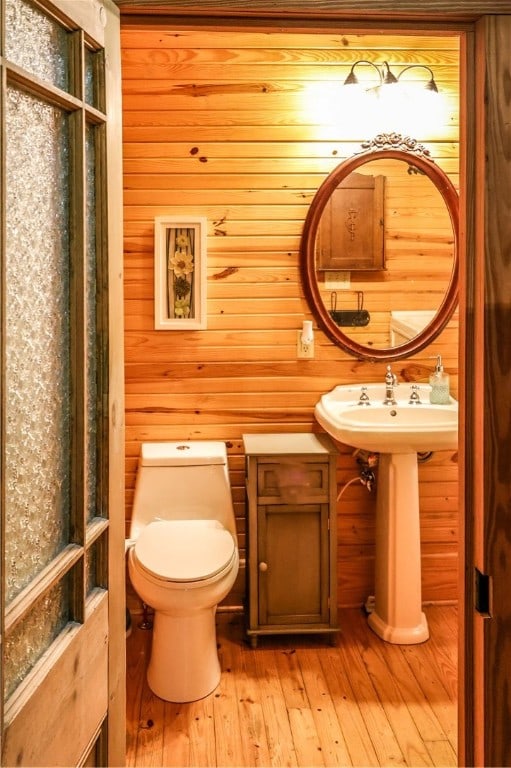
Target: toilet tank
<point>185,480</point>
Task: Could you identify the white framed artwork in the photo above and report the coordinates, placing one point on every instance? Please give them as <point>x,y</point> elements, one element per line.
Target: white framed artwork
<point>180,272</point>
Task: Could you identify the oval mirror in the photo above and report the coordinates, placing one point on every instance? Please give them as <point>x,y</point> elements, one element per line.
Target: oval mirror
<point>379,250</point>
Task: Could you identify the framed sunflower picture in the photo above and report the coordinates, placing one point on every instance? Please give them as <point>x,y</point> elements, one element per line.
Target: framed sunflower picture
<point>180,272</point>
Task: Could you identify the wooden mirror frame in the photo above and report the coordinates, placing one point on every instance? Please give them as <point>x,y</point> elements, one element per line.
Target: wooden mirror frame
<point>384,146</point>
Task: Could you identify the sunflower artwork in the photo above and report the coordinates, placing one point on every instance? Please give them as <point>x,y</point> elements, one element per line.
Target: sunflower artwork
<point>180,273</point>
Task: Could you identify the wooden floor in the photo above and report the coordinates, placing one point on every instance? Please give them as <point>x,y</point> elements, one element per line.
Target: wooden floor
<point>298,701</point>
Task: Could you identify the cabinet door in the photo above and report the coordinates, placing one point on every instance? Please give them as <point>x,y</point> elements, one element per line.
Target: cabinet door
<point>293,564</point>
<point>351,229</point>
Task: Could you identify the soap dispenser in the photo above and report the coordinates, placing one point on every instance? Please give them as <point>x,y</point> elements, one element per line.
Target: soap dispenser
<point>439,381</point>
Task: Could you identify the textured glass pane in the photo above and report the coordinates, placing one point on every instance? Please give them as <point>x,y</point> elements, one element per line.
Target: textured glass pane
<point>36,43</point>
<point>92,388</point>
<point>95,564</point>
<point>90,78</point>
<point>33,634</point>
<point>37,318</point>
<point>91,580</point>
<point>93,62</point>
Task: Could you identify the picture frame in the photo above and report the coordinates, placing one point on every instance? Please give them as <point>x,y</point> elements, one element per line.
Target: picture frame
<point>180,272</point>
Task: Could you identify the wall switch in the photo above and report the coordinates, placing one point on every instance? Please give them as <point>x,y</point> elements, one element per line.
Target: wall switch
<point>304,351</point>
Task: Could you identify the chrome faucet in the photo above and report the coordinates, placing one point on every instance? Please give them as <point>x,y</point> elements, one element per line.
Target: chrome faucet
<point>390,383</point>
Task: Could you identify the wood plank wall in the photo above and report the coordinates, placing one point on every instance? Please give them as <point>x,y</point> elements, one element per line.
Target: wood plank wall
<point>220,123</point>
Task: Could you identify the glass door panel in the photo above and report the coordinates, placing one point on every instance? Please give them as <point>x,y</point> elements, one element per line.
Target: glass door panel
<point>37,338</point>
<point>37,43</point>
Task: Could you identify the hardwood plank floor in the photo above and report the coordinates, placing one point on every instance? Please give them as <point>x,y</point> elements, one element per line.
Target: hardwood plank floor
<point>298,701</point>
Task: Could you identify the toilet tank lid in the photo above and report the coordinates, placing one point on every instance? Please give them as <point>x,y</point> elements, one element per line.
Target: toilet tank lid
<point>183,452</point>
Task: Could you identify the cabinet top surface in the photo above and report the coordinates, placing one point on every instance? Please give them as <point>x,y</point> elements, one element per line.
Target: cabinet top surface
<point>288,443</point>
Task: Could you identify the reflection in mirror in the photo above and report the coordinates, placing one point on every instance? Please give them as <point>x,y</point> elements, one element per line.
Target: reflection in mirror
<point>379,259</point>
<point>412,266</point>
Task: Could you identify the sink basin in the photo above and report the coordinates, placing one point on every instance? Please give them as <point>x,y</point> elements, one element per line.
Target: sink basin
<point>400,428</point>
<point>397,432</point>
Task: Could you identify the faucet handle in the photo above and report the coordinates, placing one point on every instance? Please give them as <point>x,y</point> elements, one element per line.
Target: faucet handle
<point>414,395</point>
<point>364,397</point>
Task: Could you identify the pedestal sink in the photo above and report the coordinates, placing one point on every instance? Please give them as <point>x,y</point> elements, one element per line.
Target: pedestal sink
<point>357,416</point>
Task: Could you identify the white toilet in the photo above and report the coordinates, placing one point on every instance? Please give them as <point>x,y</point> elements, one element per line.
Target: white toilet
<point>183,559</point>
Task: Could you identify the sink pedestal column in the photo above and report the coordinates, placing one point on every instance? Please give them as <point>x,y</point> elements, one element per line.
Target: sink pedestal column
<point>398,615</point>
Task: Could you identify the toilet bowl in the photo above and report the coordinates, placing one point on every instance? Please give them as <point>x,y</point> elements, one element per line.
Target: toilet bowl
<point>183,559</point>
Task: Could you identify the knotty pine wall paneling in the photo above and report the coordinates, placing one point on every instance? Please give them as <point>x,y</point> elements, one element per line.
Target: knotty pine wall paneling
<point>224,124</point>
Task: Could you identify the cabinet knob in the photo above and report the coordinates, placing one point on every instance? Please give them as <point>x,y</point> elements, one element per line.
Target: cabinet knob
<point>263,567</point>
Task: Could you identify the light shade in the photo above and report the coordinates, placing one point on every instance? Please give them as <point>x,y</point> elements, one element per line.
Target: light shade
<point>352,79</point>
<point>430,85</point>
<point>388,77</point>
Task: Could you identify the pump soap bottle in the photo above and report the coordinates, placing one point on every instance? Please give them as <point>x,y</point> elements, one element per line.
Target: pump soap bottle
<point>439,381</point>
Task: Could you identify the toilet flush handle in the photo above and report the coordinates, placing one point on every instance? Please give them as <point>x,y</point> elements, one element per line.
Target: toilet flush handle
<point>263,567</point>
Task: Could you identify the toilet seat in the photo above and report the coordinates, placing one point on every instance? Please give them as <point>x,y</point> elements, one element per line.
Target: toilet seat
<point>185,550</point>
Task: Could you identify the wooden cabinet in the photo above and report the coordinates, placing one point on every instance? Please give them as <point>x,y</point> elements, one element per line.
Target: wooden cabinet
<point>291,492</point>
<point>351,229</point>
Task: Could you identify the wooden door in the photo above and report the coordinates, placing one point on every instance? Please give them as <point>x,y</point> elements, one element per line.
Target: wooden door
<point>62,608</point>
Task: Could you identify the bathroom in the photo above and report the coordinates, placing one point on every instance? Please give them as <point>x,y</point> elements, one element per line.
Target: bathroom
<point>245,147</point>
<point>254,183</point>
<point>235,126</point>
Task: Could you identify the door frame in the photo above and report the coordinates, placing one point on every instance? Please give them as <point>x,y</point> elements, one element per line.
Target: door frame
<point>116,737</point>
<point>485,329</point>
<point>485,636</point>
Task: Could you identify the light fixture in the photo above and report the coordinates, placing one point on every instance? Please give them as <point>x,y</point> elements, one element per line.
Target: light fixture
<point>430,85</point>
<point>352,79</point>
<point>386,76</point>
<point>386,101</point>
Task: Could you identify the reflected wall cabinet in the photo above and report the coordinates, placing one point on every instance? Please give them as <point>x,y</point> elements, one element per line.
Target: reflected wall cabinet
<point>351,229</point>
<point>291,493</point>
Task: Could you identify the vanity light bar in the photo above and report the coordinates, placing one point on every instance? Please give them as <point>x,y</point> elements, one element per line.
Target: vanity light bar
<point>387,77</point>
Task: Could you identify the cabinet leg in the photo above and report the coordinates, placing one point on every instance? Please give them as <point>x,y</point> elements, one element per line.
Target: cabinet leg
<point>253,641</point>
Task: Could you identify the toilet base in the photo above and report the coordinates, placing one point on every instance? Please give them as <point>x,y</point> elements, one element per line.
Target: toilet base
<point>184,664</point>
